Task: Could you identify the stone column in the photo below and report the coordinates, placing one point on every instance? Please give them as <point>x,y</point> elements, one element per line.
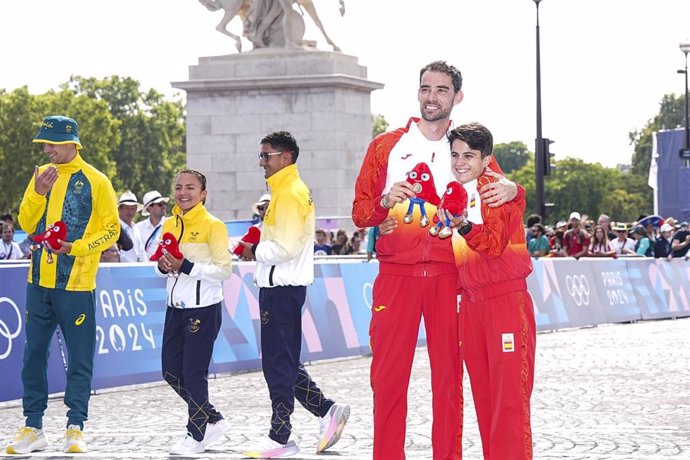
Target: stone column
<point>321,97</point>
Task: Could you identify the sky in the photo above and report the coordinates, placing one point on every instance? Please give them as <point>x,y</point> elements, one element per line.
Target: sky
<point>605,64</point>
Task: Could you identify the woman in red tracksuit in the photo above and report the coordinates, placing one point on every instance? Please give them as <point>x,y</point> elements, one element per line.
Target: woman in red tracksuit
<point>497,327</point>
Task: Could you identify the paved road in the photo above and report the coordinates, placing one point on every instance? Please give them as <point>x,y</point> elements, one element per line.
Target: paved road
<point>611,392</point>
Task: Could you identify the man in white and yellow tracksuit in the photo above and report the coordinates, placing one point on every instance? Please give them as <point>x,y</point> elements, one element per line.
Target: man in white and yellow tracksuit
<point>284,267</point>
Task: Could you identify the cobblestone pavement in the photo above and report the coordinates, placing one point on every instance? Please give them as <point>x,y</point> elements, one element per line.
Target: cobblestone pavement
<point>609,392</point>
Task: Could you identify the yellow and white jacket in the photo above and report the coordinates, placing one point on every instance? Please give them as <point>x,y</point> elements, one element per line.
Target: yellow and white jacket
<point>203,241</point>
<point>285,253</point>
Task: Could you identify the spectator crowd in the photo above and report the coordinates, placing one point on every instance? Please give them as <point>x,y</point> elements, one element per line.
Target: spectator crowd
<point>580,236</point>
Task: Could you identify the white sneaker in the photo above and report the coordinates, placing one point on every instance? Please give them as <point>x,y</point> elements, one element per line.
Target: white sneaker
<point>332,425</point>
<point>74,440</point>
<point>215,431</point>
<point>27,439</point>
<point>187,446</point>
<point>268,448</point>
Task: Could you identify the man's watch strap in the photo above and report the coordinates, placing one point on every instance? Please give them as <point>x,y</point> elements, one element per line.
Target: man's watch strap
<point>465,229</point>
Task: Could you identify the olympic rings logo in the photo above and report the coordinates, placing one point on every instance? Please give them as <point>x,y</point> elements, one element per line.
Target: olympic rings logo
<point>367,293</point>
<point>578,287</point>
<point>5,331</point>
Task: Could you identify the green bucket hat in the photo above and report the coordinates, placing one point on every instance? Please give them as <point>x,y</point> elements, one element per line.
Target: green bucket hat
<point>57,129</point>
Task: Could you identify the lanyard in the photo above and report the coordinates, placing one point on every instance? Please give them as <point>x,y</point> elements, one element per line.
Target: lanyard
<point>155,231</point>
<point>7,255</point>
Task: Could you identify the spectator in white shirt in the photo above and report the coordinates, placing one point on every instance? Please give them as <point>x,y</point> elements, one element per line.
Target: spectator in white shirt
<point>622,244</point>
<point>9,250</point>
<point>127,207</point>
<point>155,207</point>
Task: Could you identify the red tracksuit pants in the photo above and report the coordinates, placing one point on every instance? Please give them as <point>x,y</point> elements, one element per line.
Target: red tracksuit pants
<point>399,304</point>
<point>498,337</point>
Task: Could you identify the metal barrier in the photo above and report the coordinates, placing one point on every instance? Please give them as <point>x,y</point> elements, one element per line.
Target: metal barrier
<point>131,309</point>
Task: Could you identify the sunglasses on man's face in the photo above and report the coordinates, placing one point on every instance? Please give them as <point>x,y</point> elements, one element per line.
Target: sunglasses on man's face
<point>261,208</point>
<point>264,155</point>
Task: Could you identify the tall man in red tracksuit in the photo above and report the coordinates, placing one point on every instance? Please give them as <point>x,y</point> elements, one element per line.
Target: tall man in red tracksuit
<point>497,327</point>
<point>417,274</point>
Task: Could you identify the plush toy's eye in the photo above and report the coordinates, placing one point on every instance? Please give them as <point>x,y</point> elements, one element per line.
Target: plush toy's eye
<point>449,191</point>
<point>413,174</point>
<point>425,177</point>
<point>167,242</point>
<point>56,228</point>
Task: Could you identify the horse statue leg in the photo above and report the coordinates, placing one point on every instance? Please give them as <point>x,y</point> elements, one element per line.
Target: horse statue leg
<point>308,5</point>
<point>231,8</point>
<point>222,27</point>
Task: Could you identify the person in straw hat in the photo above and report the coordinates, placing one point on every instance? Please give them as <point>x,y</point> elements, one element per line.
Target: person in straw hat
<point>127,208</point>
<point>155,207</point>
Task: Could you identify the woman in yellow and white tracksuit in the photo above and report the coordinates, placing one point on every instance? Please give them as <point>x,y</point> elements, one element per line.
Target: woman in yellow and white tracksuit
<point>193,316</point>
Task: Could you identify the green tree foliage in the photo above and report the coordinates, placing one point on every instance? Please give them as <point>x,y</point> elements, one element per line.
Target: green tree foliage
<point>137,139</point>
<point>151,129</point>
<point>588,188</point>
<point>511,156</point>
<point>379,125</point>
<point>593,189</point>
<point>671,115</point>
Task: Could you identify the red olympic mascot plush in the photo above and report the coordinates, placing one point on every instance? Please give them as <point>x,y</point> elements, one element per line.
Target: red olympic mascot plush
<point>49,238</point>
<point>422,182</point>
<point>169,243</point>
<point>252,236</point>
<point>454,201</point>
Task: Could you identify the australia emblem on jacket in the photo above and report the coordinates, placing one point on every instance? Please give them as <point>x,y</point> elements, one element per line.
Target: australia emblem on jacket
<point>422,182</point>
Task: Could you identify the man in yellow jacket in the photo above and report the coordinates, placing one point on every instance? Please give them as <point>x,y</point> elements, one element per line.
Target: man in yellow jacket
<point>62,278</point>
<point>284,268</point>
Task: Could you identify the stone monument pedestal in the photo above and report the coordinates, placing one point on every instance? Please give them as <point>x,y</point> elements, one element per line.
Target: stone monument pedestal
<point>233,101</point>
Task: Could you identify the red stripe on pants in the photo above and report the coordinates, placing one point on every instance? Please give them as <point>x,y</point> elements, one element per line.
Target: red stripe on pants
<point>399,304</point>
<point>501,379</point>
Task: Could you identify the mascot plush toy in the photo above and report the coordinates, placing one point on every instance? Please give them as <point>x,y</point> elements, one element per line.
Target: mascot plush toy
<point>423,185</point>
<point>49,238</point>
<point>454,202</point>
<point>169,243</point>
<point>252,236</point>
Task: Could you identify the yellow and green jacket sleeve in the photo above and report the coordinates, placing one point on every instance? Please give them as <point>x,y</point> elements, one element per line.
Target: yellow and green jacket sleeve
<point>84,199</point>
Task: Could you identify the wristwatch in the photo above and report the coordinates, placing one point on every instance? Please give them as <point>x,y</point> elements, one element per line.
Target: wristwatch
<point>465,229</point>
<point>384,202</point>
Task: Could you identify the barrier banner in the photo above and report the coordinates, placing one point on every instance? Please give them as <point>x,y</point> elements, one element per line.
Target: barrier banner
<point>12,336</point>
<point>549,310</point>
<point>665,285</point>
<point>612,283</point>
<point>651,301</point>
<point>335,317</point>
<point>674,279</point>
<point>238,343</point>
<point>564,294</point>
<point>130,312</point>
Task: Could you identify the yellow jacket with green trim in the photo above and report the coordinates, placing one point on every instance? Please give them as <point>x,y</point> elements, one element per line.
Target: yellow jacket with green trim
<point>203,241</point>
<point>84,199</point>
